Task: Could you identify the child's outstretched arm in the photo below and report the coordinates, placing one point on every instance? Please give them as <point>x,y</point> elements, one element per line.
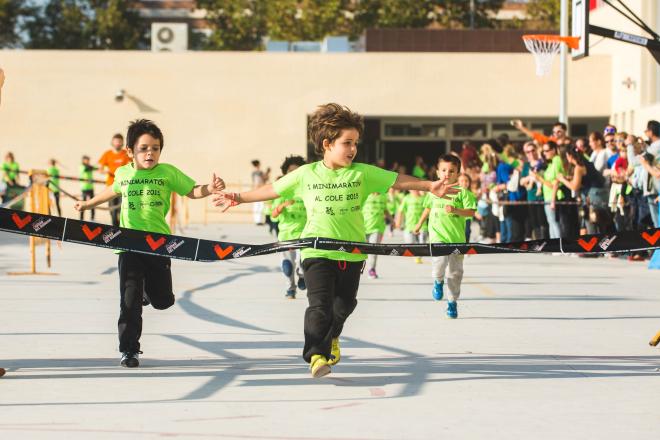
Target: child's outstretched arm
<point>422,219</point>
<point>105,196</point>
<point>439,188</point>
<point>460,211</point>
<point>201,191</point>
<point>261,194</point>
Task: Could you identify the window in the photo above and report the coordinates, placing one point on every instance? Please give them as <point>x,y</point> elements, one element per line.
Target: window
<point>416,130</point>
<point>507,129</point>
<point>470,130</point>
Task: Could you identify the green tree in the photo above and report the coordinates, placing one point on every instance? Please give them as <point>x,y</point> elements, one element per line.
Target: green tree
<point>543,14</point>
<point>236,24</point>
<point>10,15</point>
<point>311,20</point>
<point>116,26</point>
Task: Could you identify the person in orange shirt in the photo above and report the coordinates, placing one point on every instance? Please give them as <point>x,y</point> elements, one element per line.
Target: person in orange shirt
<point>109,162</point>
<point>559,133</point>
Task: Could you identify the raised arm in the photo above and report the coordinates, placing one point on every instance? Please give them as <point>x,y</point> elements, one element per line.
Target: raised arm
<point>438,188</point>
<point>201,191</point>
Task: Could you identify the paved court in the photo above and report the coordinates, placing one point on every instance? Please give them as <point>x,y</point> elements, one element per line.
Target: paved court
<point>545,348</point>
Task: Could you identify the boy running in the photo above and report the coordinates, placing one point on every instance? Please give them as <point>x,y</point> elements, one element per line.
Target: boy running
<point>375,212</point>
<point>145,186</point>
<point>333,191</point>
<point>291,217</point>
<point>409,213</point>
<point>447,225</point>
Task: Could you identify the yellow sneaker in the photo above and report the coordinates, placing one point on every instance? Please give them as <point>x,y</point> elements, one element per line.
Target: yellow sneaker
<point>319,366</point>
<point>335,353</point>
<point>418,260</point>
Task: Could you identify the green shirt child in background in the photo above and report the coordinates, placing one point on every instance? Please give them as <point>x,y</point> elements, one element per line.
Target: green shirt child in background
<point>291,216</point>
<point>447,225</point>
<point>86,175</point>
<point>374,212</point>
<point>145,186</point>
<point>334,191</point>
<point>408,215</point>
<point>54,185</point>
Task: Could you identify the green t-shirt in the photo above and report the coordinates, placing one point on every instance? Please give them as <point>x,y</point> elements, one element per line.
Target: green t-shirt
<point>333,200</point>
<point>54,177</point>
<point>145,195</point>
<point>419,172</point>
<point>10,170</point>
<point>374,213</point>
<point>86,175</point>
<point>291,220</point>
<point>412,208</point>
<point>554,169</point>
<point>444,227</point>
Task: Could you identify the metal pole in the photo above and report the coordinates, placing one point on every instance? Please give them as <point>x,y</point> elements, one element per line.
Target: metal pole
<point>472,14</point>
<point>563,65</point>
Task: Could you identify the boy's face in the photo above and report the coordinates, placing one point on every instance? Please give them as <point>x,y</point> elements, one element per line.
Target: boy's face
<point>343,150</point>
<point>117,143</point>
<point>85,161</point>
<point>447,171</point>
<point>145,153</point>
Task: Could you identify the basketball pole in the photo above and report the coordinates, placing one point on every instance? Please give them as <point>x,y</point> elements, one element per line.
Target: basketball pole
<point>563,64</point>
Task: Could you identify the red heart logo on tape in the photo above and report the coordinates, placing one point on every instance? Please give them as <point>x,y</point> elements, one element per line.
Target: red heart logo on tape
<point>407,253</point>
<point>588,245</point>
<point>154,244</point>
<point>356,251</point>
<point>471,251</point>
<point>21,222</point>
<point>222,253</point>
<point>651,239</point>
<point>91,234</point>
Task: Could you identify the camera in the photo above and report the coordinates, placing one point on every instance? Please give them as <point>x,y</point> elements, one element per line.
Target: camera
<point>649,158</point>
<point>119,96</point>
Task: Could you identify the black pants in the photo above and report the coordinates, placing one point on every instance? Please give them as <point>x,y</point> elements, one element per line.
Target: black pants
<point>86,195</point>
<point>56,196</point>
<point>115,208</point>
<point>569,223</point>
<point>332,295</point>
<point>537,221</point>
<point>515,214</point>
<point>138,274</point>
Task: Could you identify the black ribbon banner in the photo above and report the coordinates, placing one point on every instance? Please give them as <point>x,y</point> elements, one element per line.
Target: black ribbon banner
<point>194,249</point>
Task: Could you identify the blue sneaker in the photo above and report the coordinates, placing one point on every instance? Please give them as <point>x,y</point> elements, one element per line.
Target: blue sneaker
<point>301,283</point>
<point>290,294</point>
<point>452,309</point>
<point>287,268</point>
<point>438,290</point>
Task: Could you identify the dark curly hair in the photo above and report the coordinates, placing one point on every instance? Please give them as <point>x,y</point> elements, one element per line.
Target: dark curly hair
<point>292,160</point>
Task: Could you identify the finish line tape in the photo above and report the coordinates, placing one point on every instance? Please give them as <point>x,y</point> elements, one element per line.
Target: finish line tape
<point>195,249</point>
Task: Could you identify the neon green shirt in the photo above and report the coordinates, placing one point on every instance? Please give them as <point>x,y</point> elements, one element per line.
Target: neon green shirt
<point>412,208</point>
<point>444,227</point>
<point>333,200</point>
<point>291,220</point>
<point>54,177</point>
<point>419,172</point>
<point>10,170</point>
<point>374,213</point>
<point>145,195</point>
<point>86,174</point>
<point>554,169</point>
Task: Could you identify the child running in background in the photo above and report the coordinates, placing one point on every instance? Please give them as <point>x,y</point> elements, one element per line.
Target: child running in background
<point>86,176</point>
<point>408,215</point>
<point>393,200</point>
<point>465,182</point>
<point>54,185</point>
<point>334,191</point>
<point>375,213</point>
<point>145,186</point>
<point>291,217</point>
<point>447,220</point>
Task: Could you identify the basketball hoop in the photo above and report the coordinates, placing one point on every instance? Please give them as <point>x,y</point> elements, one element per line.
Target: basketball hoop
<point>545,47</point>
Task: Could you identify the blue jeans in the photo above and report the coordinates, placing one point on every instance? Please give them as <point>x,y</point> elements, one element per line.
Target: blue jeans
<point>505,230</point>
<point>653,207</point>
<point>553,223</point>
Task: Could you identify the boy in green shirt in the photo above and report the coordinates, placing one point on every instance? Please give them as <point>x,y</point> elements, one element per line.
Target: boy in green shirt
<point>333,191</point>
<point>291,217</point>
<point>145,186</point>
<point>374,212</point>
<point>54,185</point>
<point>409,212</point>
<point>86,175</point>
<point>447,225</point>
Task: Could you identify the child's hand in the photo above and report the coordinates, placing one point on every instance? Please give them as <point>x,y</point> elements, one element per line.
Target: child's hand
<point>449,209</point>
<point>80,206</point>
<point>226,200</point>
<point>416,230</point>
<point>216,185</point>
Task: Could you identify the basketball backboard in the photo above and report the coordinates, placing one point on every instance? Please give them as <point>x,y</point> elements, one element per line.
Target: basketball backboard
<point>580,28</point>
